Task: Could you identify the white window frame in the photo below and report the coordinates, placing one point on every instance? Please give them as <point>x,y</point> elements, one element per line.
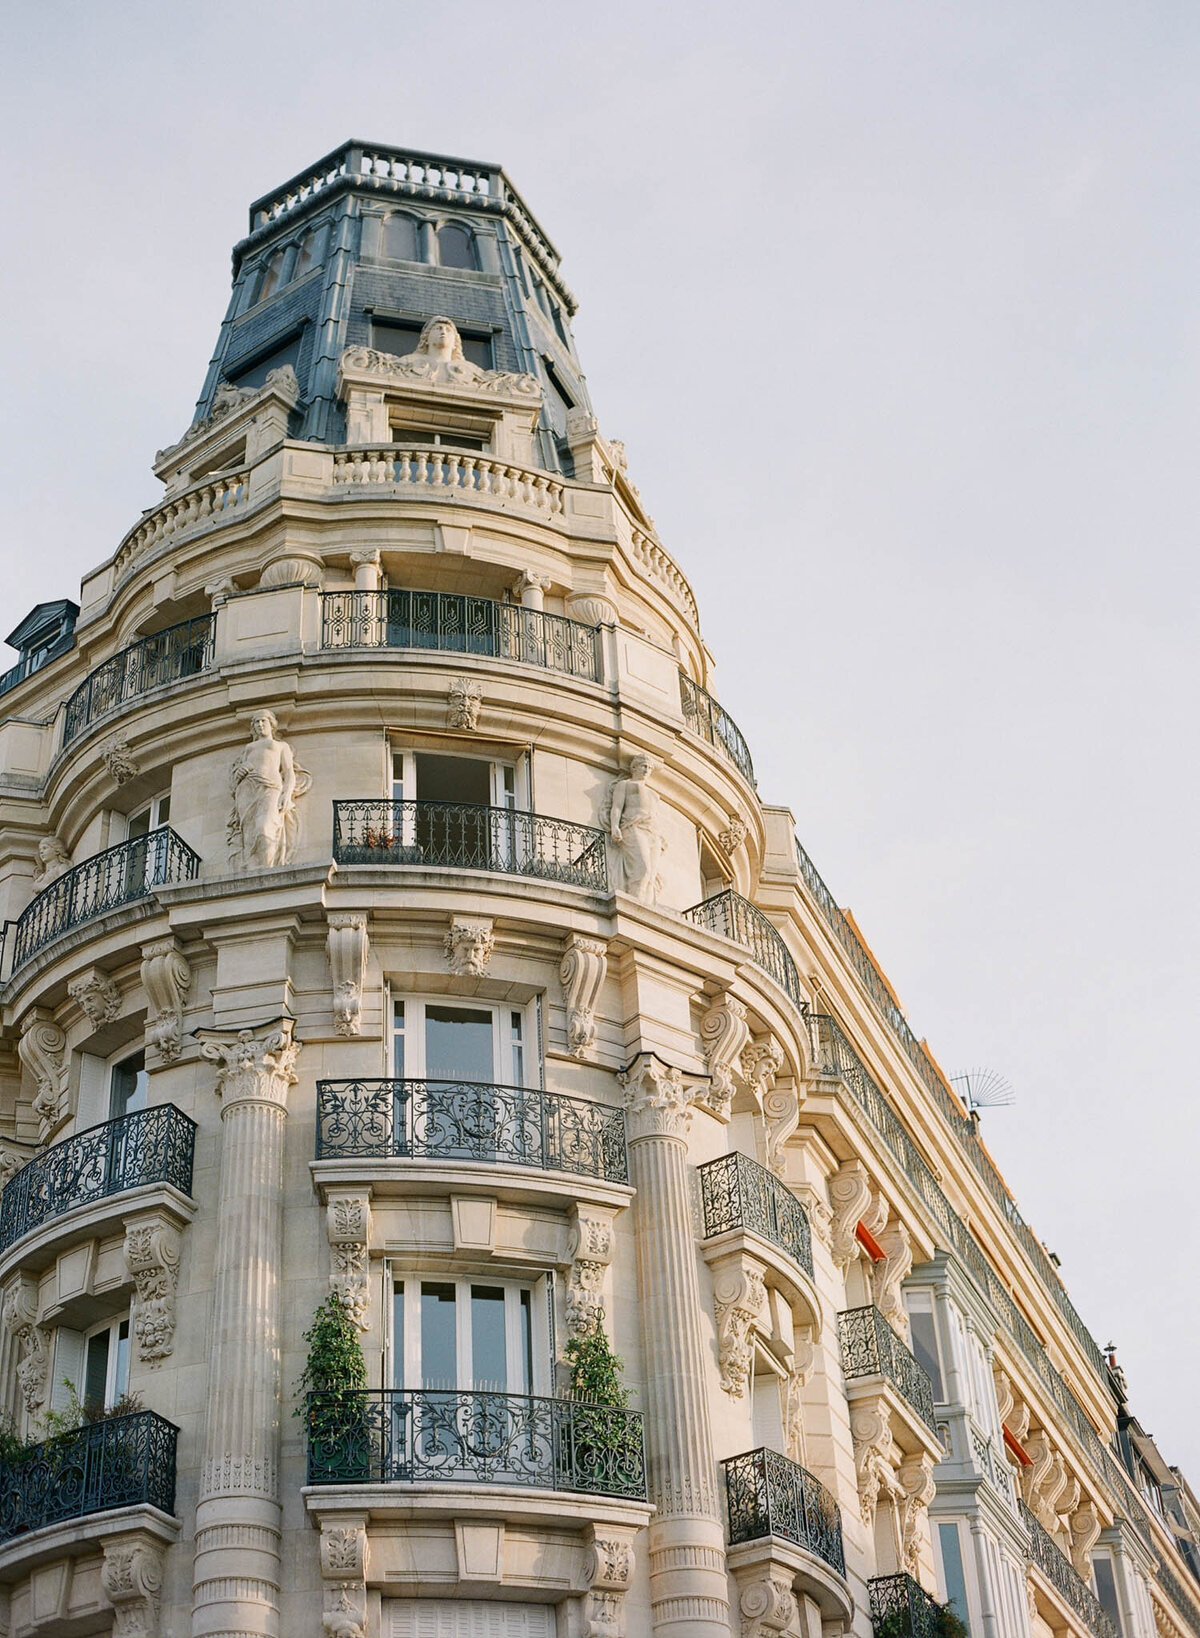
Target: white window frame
<point>508,1068</point>
<point>509,780</point>
<point>408,1374</point>
<point>157,812</point>
<point>70,1360</point>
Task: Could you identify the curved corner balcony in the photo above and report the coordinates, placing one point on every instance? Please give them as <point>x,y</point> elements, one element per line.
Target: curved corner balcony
<point>151,1146</point>
<point>125,1461</point>
<point>737,1193</point>
<point>901,1608</point>
<point>734,917</point>
<point>712,722</point>
<point>180,651</point>
<point>470,1120</point>
<point>402,1436</point>
<point>448,623</point>
<point>767,1494</point>
<point>870,1347</point>
<point>119,875</point>
<point>468,836</point>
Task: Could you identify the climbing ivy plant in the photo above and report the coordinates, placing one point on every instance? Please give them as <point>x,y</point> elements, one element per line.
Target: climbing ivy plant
<point>596,1371</point>
<point>335,1357</point>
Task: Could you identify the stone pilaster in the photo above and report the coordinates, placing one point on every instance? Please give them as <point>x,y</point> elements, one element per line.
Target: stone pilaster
<point>238,1516</point>
<point>688,1584</point>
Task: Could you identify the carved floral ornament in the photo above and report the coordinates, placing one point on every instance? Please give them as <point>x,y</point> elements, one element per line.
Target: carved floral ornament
<point>166,979</point>
<point>658,1101</point>
<point>582,972</point>
<point>152,1258</point>
<point>132,1576</point>
<point>254,1068</point>
<point>42,1048</point>
<point>590,1252</point>
<point>348,1229</point>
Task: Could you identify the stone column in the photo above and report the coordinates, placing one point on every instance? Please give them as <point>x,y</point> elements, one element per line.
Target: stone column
<point>238,1516</point>
<point>531,589</point>
<point>688,1584</point>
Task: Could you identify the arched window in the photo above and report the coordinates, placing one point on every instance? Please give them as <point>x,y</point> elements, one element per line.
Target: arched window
<point>456,246</point>
<point>310,252</point>
<point>271,274</point>
<point>400,239</point>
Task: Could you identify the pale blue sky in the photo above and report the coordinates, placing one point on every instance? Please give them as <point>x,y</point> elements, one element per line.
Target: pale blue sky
<point>895,305</point>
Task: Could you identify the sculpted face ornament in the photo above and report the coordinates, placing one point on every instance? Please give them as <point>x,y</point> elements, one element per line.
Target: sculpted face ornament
<point>266,785</point>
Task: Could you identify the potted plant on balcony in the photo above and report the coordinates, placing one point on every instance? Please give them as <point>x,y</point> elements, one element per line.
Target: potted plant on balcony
<point>934,1621</point>
<point>334,1403</point>
<point>597,1453</point>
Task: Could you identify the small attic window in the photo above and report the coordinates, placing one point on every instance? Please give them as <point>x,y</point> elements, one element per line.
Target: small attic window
<point>254,372</point>
<point>400,239</point>
<point>456,247</point>
<point>312,249</point>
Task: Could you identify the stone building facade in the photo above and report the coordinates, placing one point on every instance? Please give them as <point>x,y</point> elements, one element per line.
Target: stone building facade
<point>390,910</point>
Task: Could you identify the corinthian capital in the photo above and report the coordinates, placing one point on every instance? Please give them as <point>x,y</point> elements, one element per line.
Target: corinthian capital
<point>657,1099</point>
<point>254,1067</point>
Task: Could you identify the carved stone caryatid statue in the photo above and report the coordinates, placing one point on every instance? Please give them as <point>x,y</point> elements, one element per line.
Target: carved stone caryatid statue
<point>266,785</point>
<point>438,360</point>
<point>634,821</point>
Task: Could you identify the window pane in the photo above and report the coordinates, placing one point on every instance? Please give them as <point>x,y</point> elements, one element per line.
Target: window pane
<point>129,1086</point>
<point>455,247</point>
<point>453,779</point>
<point>121,1372</point>
<point>439,1357</point>
<point>270,281</point>
<point>478,349</point>
<point>458,1044</point>
<point>517,1048</point>
<point>924,1341</point>
<point>394,338</point>
<point>95,1369</point>
<point>162,809</point>
<point>139,823</point>
<point>1106,1590</point>
<point>254,373</point>
<point>488,1353</point>
<point>398,1040</point>
<point>400,239</point>
<point>952,1565</point>
<point>527,1341</point>
<point>398,1334</point>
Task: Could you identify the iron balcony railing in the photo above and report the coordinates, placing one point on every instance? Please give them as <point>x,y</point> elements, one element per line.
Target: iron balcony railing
<point>168,656</point>
<point>901,1608</point>
<point>734,917</point>
<point>712,722</point>
<point>1065,1579</point>
<point>152,1146</point>
<point>119,875</point>
<point>871,1348</point>
<point>124,1461</point>
<point>449,623</point>
<point>767,1494</point>
<point>468,836</point>
<point>431,1434</point>
<point>736,1192</point>
<point>470,1120</point>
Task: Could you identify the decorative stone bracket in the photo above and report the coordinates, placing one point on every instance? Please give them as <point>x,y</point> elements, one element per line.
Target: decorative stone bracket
<point>469,945</point>
<point>854,1200</point>
<point>347,945</point>
<point>582,972</point>
<point>42,1048</point>
<point>590,1250</point>
<point>132,1575</point>
<point>152,1258</point>
<point>20,1320</point>
<point>344,1556</point>
<point>608,1573</point>
<point>348,1227</point>
<point>740,1303</point>
<point>166,979</point>
<point>888,1276</point>
<point>724,1033</point>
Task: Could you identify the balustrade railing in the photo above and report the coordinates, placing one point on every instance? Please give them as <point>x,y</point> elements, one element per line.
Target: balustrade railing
<point>1065,1579</point>
<point>468,836</point>
<point>403,1435</point>
<point>767,1494</point>
<point>733,916</point>
<point>151,1146</point>
<point>736,1192</point>
<point>712,722</point>
<point>119,875</point>
<point>470,1120</point>
<point>901,1608</point>
<point>439,467</point>
<point>450,623</point>
<point>121,1462</point>
<point>871,1348</point>
<point>184,650</point>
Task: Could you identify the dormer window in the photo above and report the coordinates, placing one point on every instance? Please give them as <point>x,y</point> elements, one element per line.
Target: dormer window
<point>400,239</point>
<point>272,274</point>
<point>456,247</point>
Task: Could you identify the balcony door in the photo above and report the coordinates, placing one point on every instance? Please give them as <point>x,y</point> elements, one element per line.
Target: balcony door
<point>466,1336</point>
<point>463,803</point>
<point>460,1071</point>
<point>145,862</point>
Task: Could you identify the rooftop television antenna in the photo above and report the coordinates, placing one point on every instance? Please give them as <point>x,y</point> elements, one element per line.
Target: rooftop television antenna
<point>983,1089</point>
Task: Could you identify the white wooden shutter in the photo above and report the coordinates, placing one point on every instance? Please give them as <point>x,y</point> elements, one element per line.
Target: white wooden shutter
<point>69,1349</point>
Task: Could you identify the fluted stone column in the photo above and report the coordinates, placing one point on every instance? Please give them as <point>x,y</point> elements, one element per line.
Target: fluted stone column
<point>238,1517</point>
<point>688,1584</point>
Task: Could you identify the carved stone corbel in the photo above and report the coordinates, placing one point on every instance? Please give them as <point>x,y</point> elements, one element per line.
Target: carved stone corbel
<point>465,702</point>
<point>734,834</point>
<point>740,1303</point>
<point>1085,1527</point>
<point>581,973</point>
<point>347,946</point>
<point>469,945</point>
<point>1005,1398</point>
<point>1035,1477</point>
<point>768,1606</point>
<point>871,1431</point>
<point>97,995</point>
<point>166,979</point>
<point>116,758</point>
<point>20,1320</point>
<point>608,1573</point>
<point>152,1258</point>
<point>348,1227</point>
<point>590,1250</point>
<point>918,1490</point>
<point>851,1198</point>
<point>888,1276</point>
<point>42,1048</point>
<point>131,1576</point>
<point>724,1032</point>
<point>344,1551</point>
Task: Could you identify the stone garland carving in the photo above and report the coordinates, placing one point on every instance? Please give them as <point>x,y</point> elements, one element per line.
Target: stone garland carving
<point>888,1276</point>
<point>258,1068</point>
<point>166,979</point>
<point>347,945</point>
<point>853,1201</point>
<point>348,1228</point>
<point>608,1572</point>
<point>469,945</point>
<point>266,785</point>
<point>768,1607</point>
<point>20,1320</point>
<point>132,1575</point>
<point>97,995</point>
<point>740,1300</point>
<point>918,1489</point>
<point>343,1553</point>
<point>42,1048</point>
<point>152,1258</point>
<point>466,700</point>
<point>657,1099</point>
<point>581,973</point>
<point>872,1435</point>
<point>724,1033</point>
<point>438,361</point>
<point>116,758</point>
<point>633,819</point>
<point>53,861</point>
<point>590,1251</point>
<point>734,834</point>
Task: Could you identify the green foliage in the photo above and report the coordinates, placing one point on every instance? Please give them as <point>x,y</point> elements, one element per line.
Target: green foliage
<point>335,1357</point>
<point>77,1413</point>
<point>944,1623</point>
<point>596,1370</point>
<point>12,1446</point>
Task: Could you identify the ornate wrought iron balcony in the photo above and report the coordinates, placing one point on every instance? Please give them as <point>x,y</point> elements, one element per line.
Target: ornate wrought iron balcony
<point>451,624</point>
<point>432,1434</point>
<point>736,1192</point>
<point>767,1494</point>
<point>152,1146</point>
<point>119,875</point>
<point>470,1120</point>
<point>1065,1579</point>
<point>468,836</point>
<point>734,917</point>
<point>871,1348</point>
<point>121,1462</point>
<point>901,1608</point>
<point>168,656</point>
<point>712,722</point>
